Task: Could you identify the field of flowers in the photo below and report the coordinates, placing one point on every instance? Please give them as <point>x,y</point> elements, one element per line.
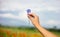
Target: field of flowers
<point>8,32</point>
<point>15,32</point>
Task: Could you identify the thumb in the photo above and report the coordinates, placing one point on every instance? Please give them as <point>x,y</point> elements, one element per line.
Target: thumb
<point>29,17</point>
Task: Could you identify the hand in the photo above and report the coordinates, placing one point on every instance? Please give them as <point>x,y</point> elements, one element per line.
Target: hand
<point>34,19</point>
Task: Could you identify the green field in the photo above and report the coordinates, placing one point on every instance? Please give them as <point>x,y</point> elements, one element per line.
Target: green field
<point>22,32</point>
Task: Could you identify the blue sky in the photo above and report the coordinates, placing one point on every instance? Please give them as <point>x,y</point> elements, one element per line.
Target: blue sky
<point>13,12</point>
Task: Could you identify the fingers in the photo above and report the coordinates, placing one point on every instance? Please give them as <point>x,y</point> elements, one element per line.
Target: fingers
<point>32,15</point>
<point>29,16</point>
<point>34,18</point>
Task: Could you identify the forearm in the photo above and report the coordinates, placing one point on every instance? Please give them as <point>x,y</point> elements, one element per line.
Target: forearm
<point>35,20</point>
<point>44,32</point>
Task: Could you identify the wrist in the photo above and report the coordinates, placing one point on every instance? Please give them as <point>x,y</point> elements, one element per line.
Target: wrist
<point>37,25</point>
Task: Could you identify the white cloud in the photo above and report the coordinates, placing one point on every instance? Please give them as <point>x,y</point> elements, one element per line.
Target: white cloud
<point>36,5</point>
<point>21,16</point>
<point>7,15</point>
<point>53,22</point>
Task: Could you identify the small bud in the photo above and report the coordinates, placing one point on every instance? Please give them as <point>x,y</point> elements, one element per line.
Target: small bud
<point>28,11</point>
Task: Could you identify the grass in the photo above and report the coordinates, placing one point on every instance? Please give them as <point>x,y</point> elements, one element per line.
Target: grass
<point>22,32</point>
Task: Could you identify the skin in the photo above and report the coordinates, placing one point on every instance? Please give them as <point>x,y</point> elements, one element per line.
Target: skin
<point>35,21</point>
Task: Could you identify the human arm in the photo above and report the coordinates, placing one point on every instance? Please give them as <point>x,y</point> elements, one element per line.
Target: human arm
<point>35,21</point>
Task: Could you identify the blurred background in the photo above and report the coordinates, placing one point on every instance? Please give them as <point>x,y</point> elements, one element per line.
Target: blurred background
<point>13,15</point>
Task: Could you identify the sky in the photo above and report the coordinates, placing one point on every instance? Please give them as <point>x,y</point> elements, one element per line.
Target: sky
<point>13,12</point>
